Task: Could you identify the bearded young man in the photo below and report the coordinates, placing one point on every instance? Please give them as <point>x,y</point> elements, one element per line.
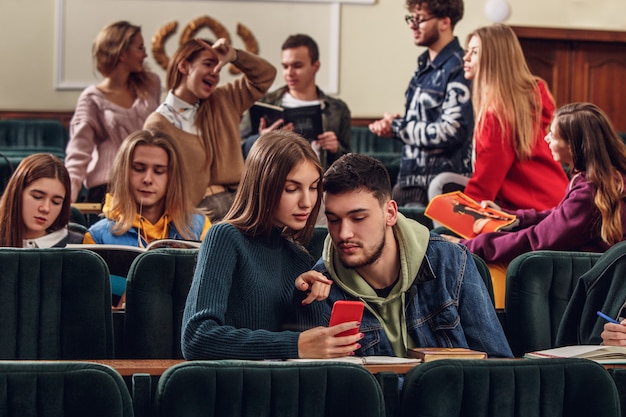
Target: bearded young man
<point>419,289</point>
<point>438,123</point>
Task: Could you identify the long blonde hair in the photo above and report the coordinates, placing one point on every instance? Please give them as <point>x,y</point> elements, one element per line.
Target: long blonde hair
<point>178,203</point>
<point>505,87</point>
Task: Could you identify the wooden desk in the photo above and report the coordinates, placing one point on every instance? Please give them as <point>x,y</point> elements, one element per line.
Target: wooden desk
<point>88,208</point>
<point>155,367</point>
<point>128,367</point>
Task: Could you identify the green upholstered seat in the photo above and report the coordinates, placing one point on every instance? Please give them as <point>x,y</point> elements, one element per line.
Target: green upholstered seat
<point>17,153</point>
<point>156,291</point>
<point>77,227</point>
<point>539,285</point>
<point>364,141</point>
<point>509,388</point>
<point>417,214</point>
<point>603,288</point>
<point>619,378</point>
<point>6,170</point>
<point>22,137</point>
<point>268,389</point>
<point>32,133</point>
<point>54,304</point>
<point>77,216</point>
<point>68,389</point>
<point>386,150</point>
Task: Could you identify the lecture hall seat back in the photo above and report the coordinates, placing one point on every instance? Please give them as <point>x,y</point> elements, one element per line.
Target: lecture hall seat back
<point>509,388</point>
<point>539,285</point>
<point>54,304</point>
<point>268,389</point>
<point>68,389</point>
<point>156,291</point>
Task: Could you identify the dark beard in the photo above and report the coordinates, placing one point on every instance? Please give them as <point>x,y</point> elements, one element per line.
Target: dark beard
<point>429,39</point>
<point>368,261</point>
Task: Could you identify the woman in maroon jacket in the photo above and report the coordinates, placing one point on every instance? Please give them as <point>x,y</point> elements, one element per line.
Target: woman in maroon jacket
<point>592,216</point>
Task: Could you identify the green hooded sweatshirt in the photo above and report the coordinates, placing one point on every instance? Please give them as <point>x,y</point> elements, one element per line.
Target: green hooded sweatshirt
<point>412,239</point>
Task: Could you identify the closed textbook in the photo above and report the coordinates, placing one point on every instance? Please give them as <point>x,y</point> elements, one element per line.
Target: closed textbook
<point>597,353</point>
<point>427,354</point>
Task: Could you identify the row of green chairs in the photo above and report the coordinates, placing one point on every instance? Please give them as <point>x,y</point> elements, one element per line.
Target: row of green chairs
<point>22,137</point>
<point>56,304</point>
<point>45,289</point>
<point>32,134</point>
<point>386,150</point>
<point>41,311</point>
<point>450,388</point>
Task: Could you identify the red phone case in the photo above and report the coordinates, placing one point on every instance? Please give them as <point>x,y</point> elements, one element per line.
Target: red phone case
<point>344,311</point>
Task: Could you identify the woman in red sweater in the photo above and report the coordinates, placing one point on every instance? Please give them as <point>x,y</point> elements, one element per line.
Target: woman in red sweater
<point>513,165</point>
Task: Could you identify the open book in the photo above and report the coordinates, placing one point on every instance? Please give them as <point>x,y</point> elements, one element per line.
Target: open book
<point>597,353</point>
<point>365,360</point>
<point>465,216</point>
<point>155,244</point>
<point>427,354</point>
<point>307,120</point>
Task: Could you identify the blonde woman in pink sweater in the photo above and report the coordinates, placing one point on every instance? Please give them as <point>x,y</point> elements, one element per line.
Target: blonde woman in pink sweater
<point>108,112</point>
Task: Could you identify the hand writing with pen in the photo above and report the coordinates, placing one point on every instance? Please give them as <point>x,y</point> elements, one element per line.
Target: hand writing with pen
<point>614,333</point>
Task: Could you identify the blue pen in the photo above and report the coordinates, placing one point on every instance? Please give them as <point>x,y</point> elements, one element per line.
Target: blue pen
<point>607,318</point>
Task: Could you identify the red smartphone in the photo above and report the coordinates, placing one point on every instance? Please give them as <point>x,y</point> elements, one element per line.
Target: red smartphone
<point>344,311</point>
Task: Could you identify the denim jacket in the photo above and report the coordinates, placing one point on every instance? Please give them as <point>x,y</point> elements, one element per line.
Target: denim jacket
<point>447,305</point>
<point>439,122</point>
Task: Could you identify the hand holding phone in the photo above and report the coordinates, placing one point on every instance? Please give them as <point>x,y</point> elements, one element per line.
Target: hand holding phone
<point>344,311</point>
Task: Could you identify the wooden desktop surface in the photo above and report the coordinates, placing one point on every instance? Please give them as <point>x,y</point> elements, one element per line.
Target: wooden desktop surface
<point>155,367</point>
<point>88,208</point>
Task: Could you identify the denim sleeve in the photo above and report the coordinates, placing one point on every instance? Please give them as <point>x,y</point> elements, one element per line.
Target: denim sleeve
<point>478,317</point>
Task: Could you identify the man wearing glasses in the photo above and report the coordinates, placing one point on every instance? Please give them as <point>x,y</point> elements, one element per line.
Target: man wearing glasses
<point>438,123</point>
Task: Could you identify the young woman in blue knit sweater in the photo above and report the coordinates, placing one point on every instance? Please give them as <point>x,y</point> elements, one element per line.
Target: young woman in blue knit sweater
<point>242,303</point>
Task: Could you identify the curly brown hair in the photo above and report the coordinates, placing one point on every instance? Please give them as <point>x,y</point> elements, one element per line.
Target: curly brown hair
<point>439,8</point>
